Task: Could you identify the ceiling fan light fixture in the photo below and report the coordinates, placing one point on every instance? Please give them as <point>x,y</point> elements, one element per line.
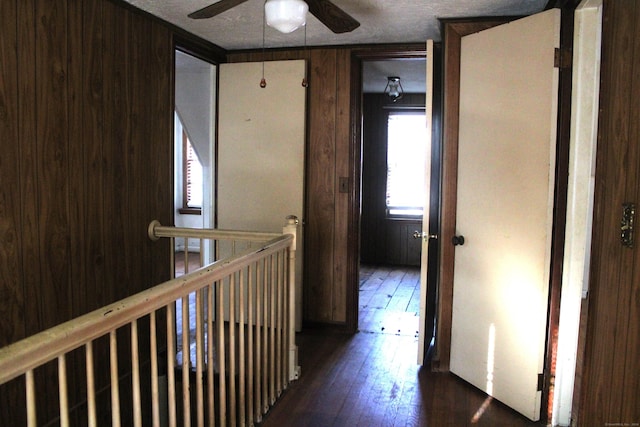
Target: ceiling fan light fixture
<point>394,88</point>
<point>286,16</point>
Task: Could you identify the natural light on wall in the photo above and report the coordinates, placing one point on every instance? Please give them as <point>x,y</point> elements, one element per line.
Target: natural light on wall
<point>406,150</point>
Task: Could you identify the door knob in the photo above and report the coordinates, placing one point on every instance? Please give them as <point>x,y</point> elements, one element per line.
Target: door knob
<point>457,240</point>
<point>423,235</point>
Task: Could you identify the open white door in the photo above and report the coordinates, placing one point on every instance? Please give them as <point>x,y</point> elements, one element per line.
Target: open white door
<point>424,257</point>
<point>261,140</point>
<point>508,109</point>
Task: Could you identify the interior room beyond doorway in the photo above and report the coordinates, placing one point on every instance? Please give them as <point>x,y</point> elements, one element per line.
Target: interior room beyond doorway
<point>389,300</point>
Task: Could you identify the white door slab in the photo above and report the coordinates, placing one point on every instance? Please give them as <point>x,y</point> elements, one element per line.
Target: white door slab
<point>508,109</point>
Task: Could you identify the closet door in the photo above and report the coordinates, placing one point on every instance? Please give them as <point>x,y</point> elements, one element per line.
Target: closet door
<point>261,150</point>
<point>611,379</point>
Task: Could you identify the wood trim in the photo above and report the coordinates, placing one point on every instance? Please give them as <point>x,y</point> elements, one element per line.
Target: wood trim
<point>559,211</point>
<point>353,252</point>
<point>371,52</point>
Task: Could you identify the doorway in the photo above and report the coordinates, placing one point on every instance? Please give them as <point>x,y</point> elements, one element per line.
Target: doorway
<point>194,133</point>
<point>393,149</point>
<point>194,166</point>
<point>389,270</point>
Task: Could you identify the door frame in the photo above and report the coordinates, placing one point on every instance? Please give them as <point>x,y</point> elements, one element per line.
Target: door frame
<point>453,31</point>
<point>358,56</point>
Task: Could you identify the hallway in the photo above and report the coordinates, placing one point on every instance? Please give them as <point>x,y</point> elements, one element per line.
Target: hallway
<point>372,379</point>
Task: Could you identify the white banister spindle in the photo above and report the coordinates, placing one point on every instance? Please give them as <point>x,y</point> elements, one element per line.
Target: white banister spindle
<point>250,336</point>
<point>222,393</point>
<point>153,348</point>
<point>135,375</point>
<point>210,355</point>
<point>232,349</point>
<point>172,261</point>
<point>272,330</point>
<point>265,335</point>
<point>186,255</point>
<point>186,365</point>
<point>258,340</point>
<point>32,419</point>
<point>115,391</point>
<point>284,300</point>
<point>199,358</point>
<point>241,347</point>
<point>91,386</point>
<point>291,227</point>
<point>279,306</point>
<point>171,363</point>
<point>63,393</point>
<point>288,327</point>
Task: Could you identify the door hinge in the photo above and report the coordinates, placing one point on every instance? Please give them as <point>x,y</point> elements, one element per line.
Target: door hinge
<point>627,224</point>
<point>540,381</point>
<point>562,58</point>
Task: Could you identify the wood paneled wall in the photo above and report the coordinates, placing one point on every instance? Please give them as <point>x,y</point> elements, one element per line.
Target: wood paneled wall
<point>86,99</point>
<point>610,390</point>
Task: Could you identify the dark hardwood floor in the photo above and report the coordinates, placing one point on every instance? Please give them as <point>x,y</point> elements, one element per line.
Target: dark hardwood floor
<point>371,378</point>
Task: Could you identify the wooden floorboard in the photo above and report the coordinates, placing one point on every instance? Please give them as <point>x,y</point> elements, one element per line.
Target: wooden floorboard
<point>371,378</point>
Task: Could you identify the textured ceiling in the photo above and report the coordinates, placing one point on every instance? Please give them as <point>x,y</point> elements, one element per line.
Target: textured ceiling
<point>412,75</point>
<point>382,21</point>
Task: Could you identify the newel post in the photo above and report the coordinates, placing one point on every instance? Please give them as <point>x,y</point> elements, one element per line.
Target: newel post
<point>291,227</point>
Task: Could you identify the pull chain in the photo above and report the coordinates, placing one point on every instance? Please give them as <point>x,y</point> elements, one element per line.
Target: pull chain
<point>263,81</point>
<point>305,83</point>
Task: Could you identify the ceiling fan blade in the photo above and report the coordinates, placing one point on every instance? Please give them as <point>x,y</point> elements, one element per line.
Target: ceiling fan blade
<point>215,9</point>
<point>336,19</point>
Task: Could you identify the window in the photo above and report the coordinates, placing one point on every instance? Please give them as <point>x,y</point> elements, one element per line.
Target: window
<point>406,150</point>
<point>191,178</point>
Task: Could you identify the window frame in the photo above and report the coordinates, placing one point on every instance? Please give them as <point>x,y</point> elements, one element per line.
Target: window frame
<point>388,214</point>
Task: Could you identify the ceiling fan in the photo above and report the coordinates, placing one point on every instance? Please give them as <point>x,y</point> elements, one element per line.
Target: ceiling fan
<point>334,18</point>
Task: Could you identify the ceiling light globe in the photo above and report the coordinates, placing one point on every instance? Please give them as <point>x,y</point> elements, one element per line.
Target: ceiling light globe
<point>286,16</point>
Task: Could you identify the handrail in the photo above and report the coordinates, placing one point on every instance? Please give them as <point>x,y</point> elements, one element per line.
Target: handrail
<point>156,231</point>
<point>31,352</point>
